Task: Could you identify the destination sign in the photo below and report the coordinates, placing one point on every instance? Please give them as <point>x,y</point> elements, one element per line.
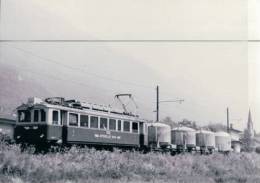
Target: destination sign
<point>107,136</point>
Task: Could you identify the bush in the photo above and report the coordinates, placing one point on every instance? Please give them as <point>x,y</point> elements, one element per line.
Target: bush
<point>89,165</point>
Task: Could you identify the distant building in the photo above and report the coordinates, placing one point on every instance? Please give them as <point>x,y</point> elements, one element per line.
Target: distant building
<point>250,128</point>
<point>236,136</point>
<point>235,133</point>
<point>249,134</point>
<point>7,128</point>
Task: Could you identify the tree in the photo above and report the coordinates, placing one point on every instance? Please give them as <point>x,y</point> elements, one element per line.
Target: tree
<point>188,123</point>
<point>248,141</point>
<point>168,120</point>
<point>216,127</point>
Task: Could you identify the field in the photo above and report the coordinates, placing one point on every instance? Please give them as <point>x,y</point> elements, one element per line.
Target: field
<point>88,165</point>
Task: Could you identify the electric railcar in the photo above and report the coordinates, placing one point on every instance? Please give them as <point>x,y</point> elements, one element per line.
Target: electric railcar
<point>56,121</point>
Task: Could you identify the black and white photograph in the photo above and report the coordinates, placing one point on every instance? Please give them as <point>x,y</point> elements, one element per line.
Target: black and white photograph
<point>127,91</point>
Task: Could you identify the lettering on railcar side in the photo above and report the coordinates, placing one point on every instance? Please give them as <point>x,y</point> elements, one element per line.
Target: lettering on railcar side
<point>106,136</point>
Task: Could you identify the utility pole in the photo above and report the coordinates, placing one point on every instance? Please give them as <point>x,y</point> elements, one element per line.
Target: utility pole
<point>157,103</point>
<point>162,101</point>
<point>227,120</point>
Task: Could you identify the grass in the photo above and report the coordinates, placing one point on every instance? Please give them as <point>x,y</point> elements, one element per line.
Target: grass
<point>88,165</point>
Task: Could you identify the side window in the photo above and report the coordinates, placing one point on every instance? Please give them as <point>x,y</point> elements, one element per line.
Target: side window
<point>119,125</point>
<point>73,119</point>
<point>55,117</point>
<point>43,115</point>
<point>141,127</point>
<point>84,120</point>
<point>36,115</point>
<point>103,123</point>
<point>24,116</point>
<point>93,122</point>
<point>112,124</point>
<point>135,127</point>
<point>126,126</point>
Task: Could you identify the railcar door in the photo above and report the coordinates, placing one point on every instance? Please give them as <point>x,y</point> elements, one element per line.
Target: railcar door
<point>143,135</point>
<point>64,117</point>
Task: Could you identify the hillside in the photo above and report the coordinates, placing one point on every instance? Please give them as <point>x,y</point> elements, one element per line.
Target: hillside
<point>16,87</point>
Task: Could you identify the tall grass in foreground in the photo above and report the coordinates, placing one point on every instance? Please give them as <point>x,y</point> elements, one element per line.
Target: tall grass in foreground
<point>89,165</point>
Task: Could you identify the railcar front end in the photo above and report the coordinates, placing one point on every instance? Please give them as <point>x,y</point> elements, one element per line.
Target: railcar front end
<point>33,126</point>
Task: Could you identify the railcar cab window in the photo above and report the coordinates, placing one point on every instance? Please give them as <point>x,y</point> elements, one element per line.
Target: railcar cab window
<point>103,123</point>
<point>84,120</point>
<point>93,122</point>
<point>43,115</point>
<point>135,127</point>
<point>24,116</point>
<point>36,115</point>
<point>73,119</point>
<point>126,126</point>
<point>55,117</point>
<point>119,125</point>
<point>112,124</point>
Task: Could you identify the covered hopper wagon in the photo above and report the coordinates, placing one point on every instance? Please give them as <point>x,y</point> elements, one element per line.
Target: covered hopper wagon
<point>183,138</point>
<point>205,140</point>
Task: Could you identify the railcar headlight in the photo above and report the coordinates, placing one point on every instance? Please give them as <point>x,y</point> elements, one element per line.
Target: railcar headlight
<point>59,141</point>
<point>18,136</point>
<point>42,135</point>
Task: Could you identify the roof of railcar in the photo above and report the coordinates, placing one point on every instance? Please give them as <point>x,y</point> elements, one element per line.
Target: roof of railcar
<point>86,111</point>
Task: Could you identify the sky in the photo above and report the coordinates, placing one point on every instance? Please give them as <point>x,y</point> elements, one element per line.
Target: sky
<point>209,76</point>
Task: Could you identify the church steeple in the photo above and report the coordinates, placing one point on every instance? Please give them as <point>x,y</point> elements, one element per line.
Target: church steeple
<point>250,127</point>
